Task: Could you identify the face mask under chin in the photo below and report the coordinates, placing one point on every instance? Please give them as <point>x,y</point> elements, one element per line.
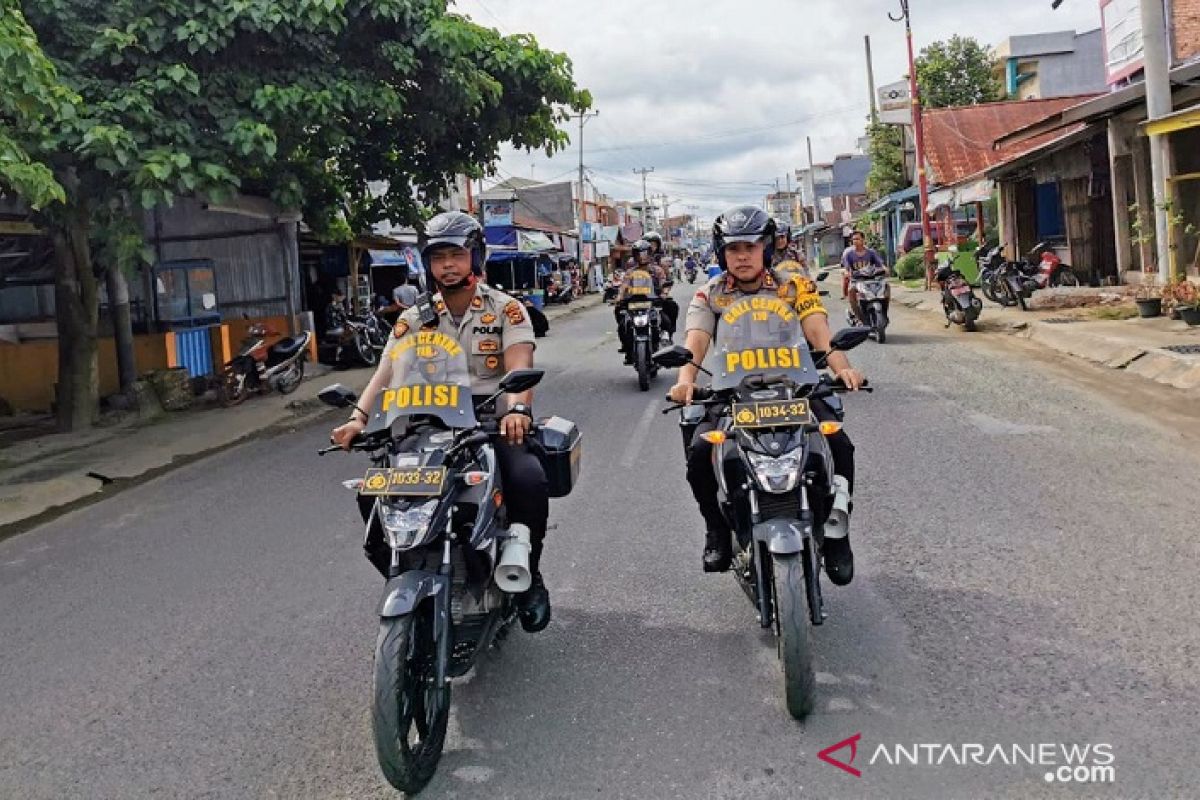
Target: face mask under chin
<point>465,283</point>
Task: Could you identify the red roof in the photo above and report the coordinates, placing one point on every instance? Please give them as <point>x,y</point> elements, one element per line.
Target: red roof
<point>959,141</point>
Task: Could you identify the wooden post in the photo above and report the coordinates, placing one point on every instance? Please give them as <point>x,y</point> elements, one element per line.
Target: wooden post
<point>1120,167</point>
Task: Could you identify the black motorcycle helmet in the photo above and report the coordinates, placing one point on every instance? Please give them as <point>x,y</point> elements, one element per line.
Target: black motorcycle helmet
<point>454,228</point>
<point>642,246</point>
<point>656,241</point>
<point>744,224</point>
<point>783,228</point>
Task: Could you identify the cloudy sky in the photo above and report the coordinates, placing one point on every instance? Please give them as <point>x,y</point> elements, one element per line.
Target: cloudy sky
<point>718,97</point>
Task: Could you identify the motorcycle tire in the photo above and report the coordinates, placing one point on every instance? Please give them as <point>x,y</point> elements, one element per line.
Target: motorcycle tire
<point>1064,276</point>
<point>793,624</point>
<point>365,351</point>
<point>988,288</point>
<point>880,334</point>
<point>641,359</point>
<point>290,381</point>
<point>970,325</point>
<point>1021,301</point>
<point>406,702</point>
<point>232,387</point>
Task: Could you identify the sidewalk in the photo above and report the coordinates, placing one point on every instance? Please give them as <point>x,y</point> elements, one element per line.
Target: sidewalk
<point>1135,345</point>
<point>44,473</point>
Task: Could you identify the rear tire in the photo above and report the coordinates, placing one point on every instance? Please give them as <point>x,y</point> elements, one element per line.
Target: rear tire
<point>290,381</point>
<point>403,694</point>
<point>1064,276</point>
<point>795,647</point>
<point>365,350</point>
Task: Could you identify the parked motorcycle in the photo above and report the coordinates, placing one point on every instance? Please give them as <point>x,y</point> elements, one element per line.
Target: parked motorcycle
<point>1016,286</point>
<point>642,316</point>
<point>775,471</point>
<point>959,303</point>
<point>874,297</point>
<point>438,527</point>
<point>258,368</point>
<point>357,337</point>
<point>1048,269</point>
<point>990,283</point>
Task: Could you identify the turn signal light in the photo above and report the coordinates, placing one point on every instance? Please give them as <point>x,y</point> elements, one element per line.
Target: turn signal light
<point>714,437</point>
<point>830,428</point>
<point>474,478</point>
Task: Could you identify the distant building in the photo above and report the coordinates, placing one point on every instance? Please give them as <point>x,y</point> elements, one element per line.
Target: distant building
<point>1059,64</point>
<point>784,205</point>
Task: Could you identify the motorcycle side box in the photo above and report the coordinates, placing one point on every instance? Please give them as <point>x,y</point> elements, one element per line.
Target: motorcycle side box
<point>563,443</point>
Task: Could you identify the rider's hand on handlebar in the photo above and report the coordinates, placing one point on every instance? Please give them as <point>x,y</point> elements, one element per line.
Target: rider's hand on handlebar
<point>851,378</point>
<point>343,435</point>
<point>681,393</point>
<point>515,427</point>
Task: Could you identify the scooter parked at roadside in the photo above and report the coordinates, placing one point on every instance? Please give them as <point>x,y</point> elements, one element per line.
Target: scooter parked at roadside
<point>959,303</point>
<point>259,368</point>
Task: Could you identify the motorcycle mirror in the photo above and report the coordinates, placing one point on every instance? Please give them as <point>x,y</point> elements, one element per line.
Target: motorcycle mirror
<point>521,380</point>
<point>337,396</point>
<point>822,275</point>
<point>673,357</point>
<point>849,338</point>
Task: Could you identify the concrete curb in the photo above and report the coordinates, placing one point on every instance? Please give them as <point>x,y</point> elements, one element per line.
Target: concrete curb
<point>1151,363</point>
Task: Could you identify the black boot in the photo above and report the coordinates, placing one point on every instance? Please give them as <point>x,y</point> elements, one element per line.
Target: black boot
<point>839,560</point>
<point>717,555</point>
<point>534,605</point>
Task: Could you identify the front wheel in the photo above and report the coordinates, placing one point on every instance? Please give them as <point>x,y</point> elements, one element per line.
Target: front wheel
<point>410,713</point>
<point>795,646</point>
<point>642,361</point>
<point>290,380</point>
<point>1064,276</point>
<point>232,386</point>
<point>365,350</point>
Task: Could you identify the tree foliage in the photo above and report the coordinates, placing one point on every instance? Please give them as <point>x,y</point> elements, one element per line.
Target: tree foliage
<point>958,72</point>
<point>352,111</point>
<point>885,146</point>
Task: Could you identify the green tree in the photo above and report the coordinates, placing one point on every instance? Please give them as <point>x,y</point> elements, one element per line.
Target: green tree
<point>314,103</point>
<point>958,72</point>
<point>885,146</point>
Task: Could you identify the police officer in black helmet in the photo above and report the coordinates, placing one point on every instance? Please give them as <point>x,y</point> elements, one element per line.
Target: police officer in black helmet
<point>495,331</point>
<point>743,238</point>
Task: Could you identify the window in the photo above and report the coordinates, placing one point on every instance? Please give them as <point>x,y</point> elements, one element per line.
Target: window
<point>1048,202</point>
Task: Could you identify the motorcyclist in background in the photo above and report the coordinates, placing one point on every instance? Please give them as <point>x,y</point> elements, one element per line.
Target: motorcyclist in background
<point>494,330</point>
<point>669,308</point>
<point>787,259</point>
<point>640,281</point>
<point>743,238</point>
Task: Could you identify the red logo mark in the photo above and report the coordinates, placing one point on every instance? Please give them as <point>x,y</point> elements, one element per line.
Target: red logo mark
<point>852,743</point>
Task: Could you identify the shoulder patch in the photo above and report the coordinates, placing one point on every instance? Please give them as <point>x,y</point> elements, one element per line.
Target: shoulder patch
<point>400,329</point>
<point>515,312</point>
<point>476,302</point>
<point>702,296</point>
<point>488,319</point>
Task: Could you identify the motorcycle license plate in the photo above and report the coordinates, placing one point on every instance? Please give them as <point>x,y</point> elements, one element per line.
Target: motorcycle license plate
<point>642,306</point>
<point>771,414</point>
<point>404,481</point>
<point>957,290</point>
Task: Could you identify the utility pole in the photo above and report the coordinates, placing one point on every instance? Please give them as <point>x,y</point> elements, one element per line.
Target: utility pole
<point>871,82</point>
<point>583,118</point>
<point>1158,104</point>
<point>644,171</point>
<point>919,139</point>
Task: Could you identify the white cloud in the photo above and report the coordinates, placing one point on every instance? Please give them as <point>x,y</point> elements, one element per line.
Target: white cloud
<point>672,79</point>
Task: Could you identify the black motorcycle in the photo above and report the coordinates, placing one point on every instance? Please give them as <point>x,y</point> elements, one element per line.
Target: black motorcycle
<point>775,471</point>
<point>959,303</point>
<point>1016,284</point>
<point>991,284</point>
<point>454,562</point>
<point>874,297</point>
<point>642,318</point>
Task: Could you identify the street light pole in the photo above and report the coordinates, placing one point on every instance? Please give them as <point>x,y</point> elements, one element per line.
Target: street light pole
<point>919,141</point>
<point>583,118</point>
<point>645,200</point>
<point>1158,105</point>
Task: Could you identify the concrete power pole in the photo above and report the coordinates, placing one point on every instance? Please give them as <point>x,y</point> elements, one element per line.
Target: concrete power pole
<point>871,82</point>
<point>644,171</point>
<point>1158,104</point>
<point>583,118</point>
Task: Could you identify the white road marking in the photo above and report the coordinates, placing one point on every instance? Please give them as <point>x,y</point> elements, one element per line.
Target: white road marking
<point>638,438</point>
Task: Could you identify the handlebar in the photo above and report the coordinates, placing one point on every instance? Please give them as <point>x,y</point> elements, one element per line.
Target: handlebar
<point>705,396</point>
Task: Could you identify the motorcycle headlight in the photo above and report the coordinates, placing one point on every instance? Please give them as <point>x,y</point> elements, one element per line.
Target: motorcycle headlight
<point>641,319</point>
<point>406,525</point>
<point>777,475</point>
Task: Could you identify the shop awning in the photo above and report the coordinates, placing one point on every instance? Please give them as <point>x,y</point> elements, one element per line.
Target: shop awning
<point>979,191</point>
<point>894,199</point>
<point>534,242</point>
<point>942,197</point>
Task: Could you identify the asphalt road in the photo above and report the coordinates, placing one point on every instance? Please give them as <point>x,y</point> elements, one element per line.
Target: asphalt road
<point>1027,559</point>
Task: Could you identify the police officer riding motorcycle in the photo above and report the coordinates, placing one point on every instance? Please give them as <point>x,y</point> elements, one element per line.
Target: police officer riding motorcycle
<point>744,239</point>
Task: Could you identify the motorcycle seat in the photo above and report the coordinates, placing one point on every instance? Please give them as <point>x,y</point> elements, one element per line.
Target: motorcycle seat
<point>288,346</point>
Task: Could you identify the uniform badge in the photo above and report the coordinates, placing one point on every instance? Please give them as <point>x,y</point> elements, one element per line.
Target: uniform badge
<point>439,306</point>
<point>722,301</point>
<point>489,346</point>
<point>477,302</point>
<point>400,329</point>
<point>515,313</point>
<point>488,319</point>
<point>491,362</point>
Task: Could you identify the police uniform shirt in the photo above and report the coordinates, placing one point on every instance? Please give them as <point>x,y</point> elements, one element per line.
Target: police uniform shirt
<point>713,298</point>
<point>638,281</point>
<point>492,323</point>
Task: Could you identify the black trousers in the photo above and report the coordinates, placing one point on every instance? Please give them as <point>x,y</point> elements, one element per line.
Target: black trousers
<point>670,315</point>
<point>703,480</point>
<point>526,498</point>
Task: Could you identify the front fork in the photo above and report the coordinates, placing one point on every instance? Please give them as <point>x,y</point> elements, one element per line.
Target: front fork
<point>764,585</point>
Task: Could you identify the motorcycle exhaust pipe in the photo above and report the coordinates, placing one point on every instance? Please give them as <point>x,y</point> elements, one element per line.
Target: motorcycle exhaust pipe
<point>838,524</point>
<point>512,571</point>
